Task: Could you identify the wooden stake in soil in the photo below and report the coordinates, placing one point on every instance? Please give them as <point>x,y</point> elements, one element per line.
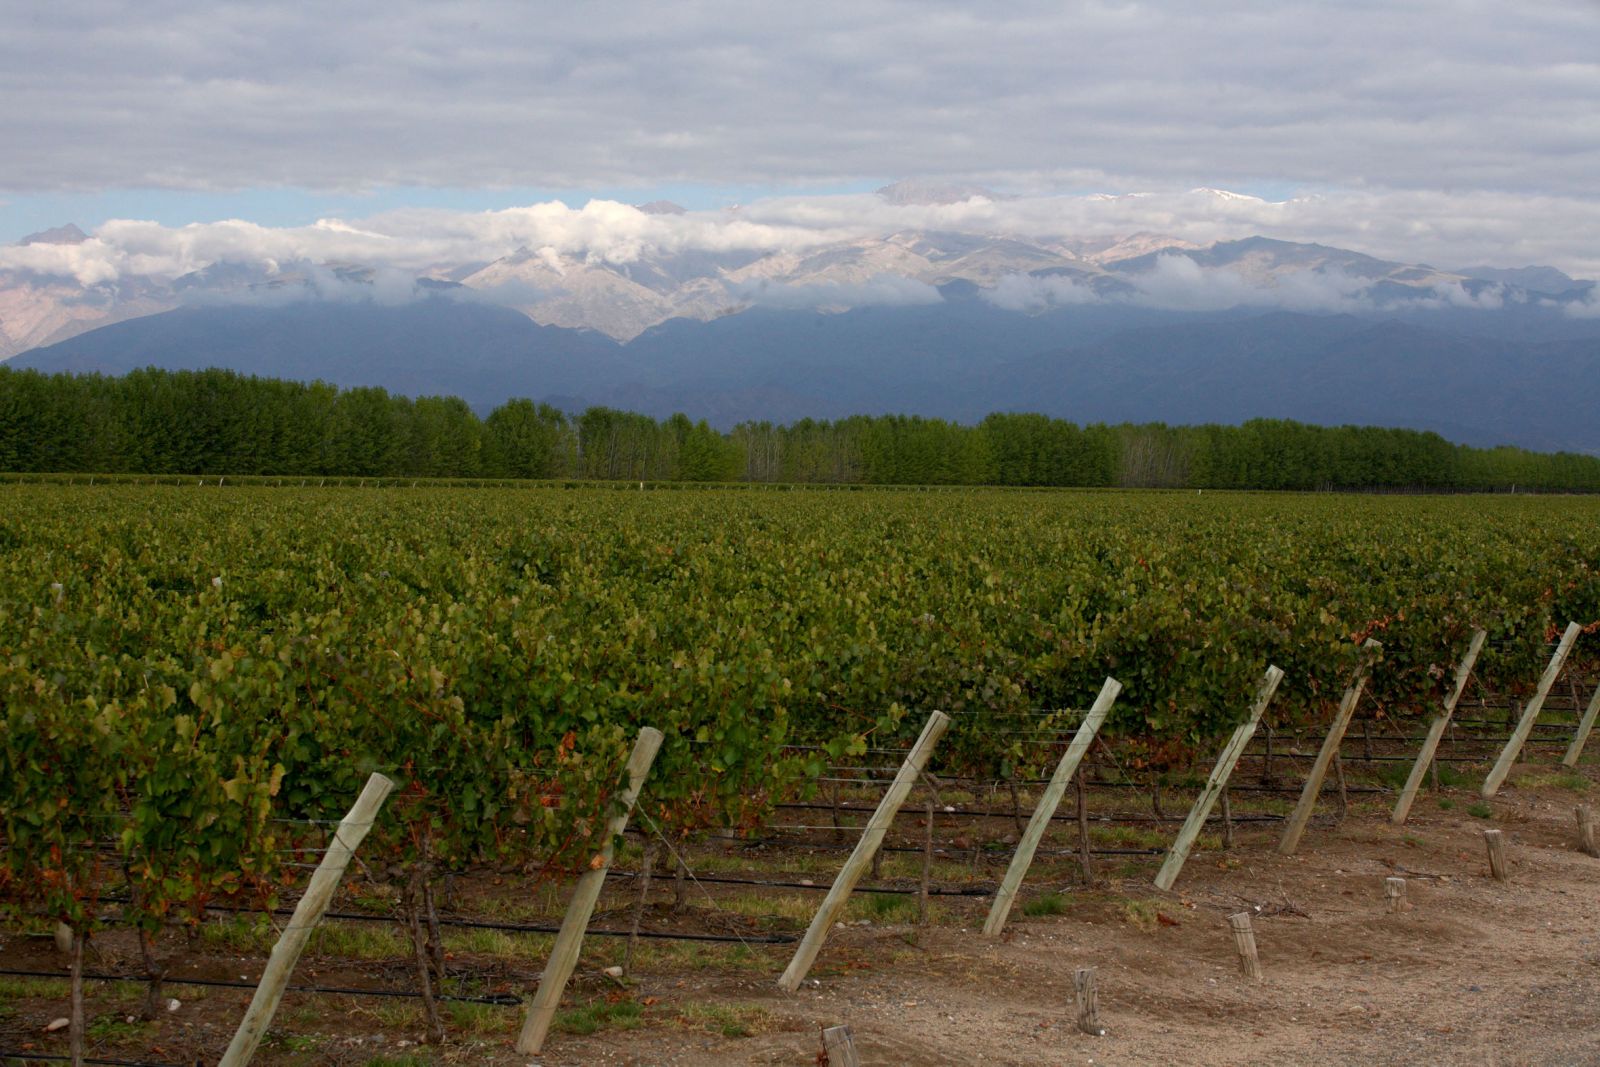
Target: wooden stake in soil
<point>1085,856</point>
<point>1217,783</point>
<point>1581,737</point>
<point>1430,744</point>
<point>1088,1002</point>
<point>1586,843</point>
<point>1394,893</point>
<point>569,941</point>
<point>927,862</point>
<point>861,856</point>
<point>75,1018</point>
<point>1519,737</point>
<point>1007,894</point>
<point>839,1048</point>
<point>1495,840</point>
<point>1244,939</point>
<point>1296,826</point>
<point>319,894</point>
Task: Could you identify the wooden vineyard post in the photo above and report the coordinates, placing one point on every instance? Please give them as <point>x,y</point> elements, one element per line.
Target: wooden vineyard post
<point>839,1047</point>
<point>1519,737</point>
<point>1296,827</point>
<point>1394,893</point>
<point>1088,1002</point>
<point>1586,843</point>
<point>569,941</point>
<point>1430,744</point>
<point>1495,842</point>
<point>1580,738</point>
<point>1046,808</point>
<point>871,839</point>
<point>1244,940</point>
<point>1179,853</point>
<point>319,894</point>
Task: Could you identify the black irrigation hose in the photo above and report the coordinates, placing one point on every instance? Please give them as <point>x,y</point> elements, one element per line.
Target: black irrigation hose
<point>1069,816</point>
<point>501,999</point>
<point>548,928</point>
<point>933,891</point>
<point>54,1058</point>
<point>529,928</point>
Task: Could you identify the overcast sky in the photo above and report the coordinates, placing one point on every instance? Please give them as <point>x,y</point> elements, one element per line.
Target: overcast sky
<point>1456,132</point>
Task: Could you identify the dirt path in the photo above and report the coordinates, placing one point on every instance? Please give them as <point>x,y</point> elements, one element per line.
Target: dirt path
<point>1478,972</point>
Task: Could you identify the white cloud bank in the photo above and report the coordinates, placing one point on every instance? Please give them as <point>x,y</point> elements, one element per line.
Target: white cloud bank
<point>1408,227</point>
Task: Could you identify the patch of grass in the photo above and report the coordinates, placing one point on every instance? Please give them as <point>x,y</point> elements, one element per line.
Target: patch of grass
<point>1445,803</point>
<point>1480,810</point>
<point>1140,914</point>
<point>501,944</point>
<point>1045,904</point>
<point>359,941</point>
<point>293,1042</point>
<point>1552,780</point>
<point>1126,837</point>
<point>409,1059</point>
<point>115,1028</point>
<point>472,1018</point>
<point>600,1015</point>
<point>40,988</point>
<point>244,934</point>
<point>739,1020</point>
<point>884,907</point>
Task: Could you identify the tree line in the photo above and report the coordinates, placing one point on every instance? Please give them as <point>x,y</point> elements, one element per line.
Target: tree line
<point>220,422</point>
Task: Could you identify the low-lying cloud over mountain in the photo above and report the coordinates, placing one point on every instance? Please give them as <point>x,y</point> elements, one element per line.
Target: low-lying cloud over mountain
<point>621,269</point>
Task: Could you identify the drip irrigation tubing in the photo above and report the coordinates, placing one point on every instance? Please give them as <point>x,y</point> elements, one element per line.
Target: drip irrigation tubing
<point>501,999</point>
<point>51,1057</point>
<point>1069,816</point>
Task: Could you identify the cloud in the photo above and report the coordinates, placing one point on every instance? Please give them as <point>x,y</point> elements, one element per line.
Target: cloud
<point>1400,226</point>
<point>1030,96</point>
<point>1033,293</point>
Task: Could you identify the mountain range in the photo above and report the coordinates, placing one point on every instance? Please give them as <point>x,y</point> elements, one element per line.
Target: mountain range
<point>1134,327</point>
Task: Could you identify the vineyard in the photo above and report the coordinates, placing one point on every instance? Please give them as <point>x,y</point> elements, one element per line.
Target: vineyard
<point>198,681</point>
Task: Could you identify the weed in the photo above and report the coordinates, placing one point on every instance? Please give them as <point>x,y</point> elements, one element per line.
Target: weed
<point>1445,803</point>
<point>1140,914</point>
<point>474,1018</point>
<point>1480,810</point>
<point>734,1021</point>
<point>41,988</point>
<point>115,1028</point>
<point>594,1017</point>
<point>1553,780</point>
<point>1045,904</point>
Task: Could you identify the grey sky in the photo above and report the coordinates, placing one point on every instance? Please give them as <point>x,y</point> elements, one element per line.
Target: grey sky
<point>1464,110</point>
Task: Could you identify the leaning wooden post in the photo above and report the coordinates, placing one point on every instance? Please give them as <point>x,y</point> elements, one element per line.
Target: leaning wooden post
<point>1244,940</point>
<point>319,894</point>
<point>1296,827</point>
<point>1586,843</point>
<point>1519,737</point>
<point>564,954</point>
<point>1495,841</point>
<point>1046,808</point>
<point>871,839</point>
<point>1430,744</point>
<point>1575,749</point>
<point>1179,853</point>
<point>1088,1002</point>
